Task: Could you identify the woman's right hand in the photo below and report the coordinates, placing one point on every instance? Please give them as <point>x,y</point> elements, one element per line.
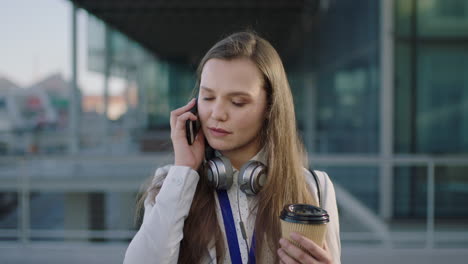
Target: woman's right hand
<point>185,154</point>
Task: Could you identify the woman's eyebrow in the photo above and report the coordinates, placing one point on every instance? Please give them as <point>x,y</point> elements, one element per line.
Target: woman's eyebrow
<point>229,94</point>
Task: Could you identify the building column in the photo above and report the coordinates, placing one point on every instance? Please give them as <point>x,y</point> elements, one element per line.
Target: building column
<point>73,128</point>
<point>107,67</point>
<point>386,108</point>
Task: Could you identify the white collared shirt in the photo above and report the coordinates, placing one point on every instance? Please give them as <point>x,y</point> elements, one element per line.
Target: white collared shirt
<point>159,237</point>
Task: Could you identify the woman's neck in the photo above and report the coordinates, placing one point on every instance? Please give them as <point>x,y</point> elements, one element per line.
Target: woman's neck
<point>240,156</point>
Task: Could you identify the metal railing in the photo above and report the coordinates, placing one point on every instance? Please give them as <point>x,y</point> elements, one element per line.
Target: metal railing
<point>430,162</point>
<point>25,175</point>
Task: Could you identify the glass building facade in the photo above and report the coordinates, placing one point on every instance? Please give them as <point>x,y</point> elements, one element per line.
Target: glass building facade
<point>381,98</point>
<point>345,59</point>
<point>431,114</point>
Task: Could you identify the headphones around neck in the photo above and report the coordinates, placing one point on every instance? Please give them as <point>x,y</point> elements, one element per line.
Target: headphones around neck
<point>251,178</point>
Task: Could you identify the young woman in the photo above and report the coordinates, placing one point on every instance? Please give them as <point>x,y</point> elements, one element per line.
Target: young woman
<point>246,112</point>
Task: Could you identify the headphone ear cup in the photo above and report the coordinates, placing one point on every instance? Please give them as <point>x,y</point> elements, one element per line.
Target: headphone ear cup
<point>219,173</point>
<point>252,177</point>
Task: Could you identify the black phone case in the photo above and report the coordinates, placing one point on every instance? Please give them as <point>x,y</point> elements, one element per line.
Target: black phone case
<point>192,127</point>
<point>191,130</point>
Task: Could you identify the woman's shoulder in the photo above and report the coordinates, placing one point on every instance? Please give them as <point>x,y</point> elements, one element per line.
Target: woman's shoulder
<point>171,172</point>
<point>162,172</point>
<point>320,185</point>
<point>322,176</point>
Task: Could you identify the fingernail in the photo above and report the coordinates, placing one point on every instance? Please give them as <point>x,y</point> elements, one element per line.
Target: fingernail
<point>282,241</point>
<point>294,236</point>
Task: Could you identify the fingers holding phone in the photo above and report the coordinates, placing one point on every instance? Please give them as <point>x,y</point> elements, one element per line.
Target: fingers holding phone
<point>186,135</point>
<point>175,114</point>
<point>192,126</point>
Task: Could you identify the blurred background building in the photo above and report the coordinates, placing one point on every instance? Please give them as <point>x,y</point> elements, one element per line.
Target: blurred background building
<point>86,88</point>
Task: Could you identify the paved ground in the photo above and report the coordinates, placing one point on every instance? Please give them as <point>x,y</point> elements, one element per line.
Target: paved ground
<point>404,256</point>
<point>79,253</point>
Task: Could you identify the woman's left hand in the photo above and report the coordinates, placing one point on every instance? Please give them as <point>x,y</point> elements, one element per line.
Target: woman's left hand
<point>289,253</point>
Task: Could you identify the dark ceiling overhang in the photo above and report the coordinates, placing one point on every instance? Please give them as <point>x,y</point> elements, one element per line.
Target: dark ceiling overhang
<point>184,30</point>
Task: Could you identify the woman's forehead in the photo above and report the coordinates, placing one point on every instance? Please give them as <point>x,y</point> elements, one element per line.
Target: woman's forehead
<point>229,93</point>
<point>237,75</point>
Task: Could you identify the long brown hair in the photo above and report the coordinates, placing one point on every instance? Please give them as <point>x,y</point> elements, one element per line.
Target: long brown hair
<point>286,158</point>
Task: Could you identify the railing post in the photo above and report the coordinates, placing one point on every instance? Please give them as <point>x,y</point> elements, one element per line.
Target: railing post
<point>430,205</point>
<point>24,191</point>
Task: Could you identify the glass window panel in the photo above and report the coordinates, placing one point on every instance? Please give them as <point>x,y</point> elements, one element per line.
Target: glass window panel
<point>300,98</point>
<point>403,12</point>
<point>9,211</point>
<point>173,87</point>
<point>442,99</point>
<point>130,82</point>
<point>434,18</point>
<point>443,18</point>
<point>404,115</point>
<point>348,80</point>
<point>347,117</point>
<point>430,89</point>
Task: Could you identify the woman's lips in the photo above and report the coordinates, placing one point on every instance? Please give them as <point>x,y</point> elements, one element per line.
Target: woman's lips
<point>218,132</point>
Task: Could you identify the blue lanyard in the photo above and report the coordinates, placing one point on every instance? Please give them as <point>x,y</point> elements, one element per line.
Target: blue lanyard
<point>231,233</point>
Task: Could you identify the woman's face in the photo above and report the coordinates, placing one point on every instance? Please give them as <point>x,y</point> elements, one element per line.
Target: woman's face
<point>232,105</point>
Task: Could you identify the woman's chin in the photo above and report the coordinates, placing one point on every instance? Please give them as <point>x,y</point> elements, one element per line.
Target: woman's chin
<point>217,145</point>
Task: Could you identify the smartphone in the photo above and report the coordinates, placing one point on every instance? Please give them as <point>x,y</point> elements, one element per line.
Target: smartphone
<point>192,127</point>
<point>191,130</point>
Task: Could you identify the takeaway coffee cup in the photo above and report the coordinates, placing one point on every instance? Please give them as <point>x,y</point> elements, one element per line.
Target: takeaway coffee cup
<point>305,219</point>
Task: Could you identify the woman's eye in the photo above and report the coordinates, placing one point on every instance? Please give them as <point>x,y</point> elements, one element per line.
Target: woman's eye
<point>238,104</point>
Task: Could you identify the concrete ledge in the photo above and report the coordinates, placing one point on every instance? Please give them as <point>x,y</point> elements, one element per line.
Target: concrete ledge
<point>65,252</point>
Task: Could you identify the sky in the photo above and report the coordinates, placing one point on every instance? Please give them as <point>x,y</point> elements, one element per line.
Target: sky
<point>36,42</point>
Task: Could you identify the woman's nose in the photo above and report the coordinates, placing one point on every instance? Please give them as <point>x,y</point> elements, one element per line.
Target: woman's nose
<point>219,111</point>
